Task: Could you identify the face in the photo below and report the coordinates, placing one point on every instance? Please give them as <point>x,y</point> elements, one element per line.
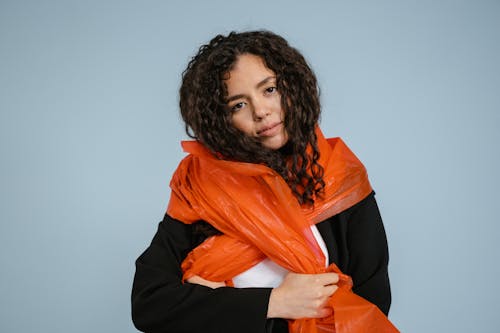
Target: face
<point>255,103</point>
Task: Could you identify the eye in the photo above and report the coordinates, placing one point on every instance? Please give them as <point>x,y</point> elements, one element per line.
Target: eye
<point>237,106</point>
<point>271,90</point>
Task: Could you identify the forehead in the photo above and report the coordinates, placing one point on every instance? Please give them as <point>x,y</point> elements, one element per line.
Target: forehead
<point>247,72</point>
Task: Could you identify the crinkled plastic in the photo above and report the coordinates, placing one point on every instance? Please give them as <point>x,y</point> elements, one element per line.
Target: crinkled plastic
<point>260,217</point>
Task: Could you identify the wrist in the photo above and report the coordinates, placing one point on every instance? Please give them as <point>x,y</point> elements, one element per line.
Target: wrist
<point>274,304</point>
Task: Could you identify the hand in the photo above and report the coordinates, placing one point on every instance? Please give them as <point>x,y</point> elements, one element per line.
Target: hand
<point>199,280</point>
<point>302,296</point>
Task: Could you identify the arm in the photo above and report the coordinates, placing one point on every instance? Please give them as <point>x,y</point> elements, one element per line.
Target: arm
<point>162,303</point>
<point>368,253</point>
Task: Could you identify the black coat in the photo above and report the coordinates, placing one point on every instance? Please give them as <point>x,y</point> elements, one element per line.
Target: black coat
<point>355,240</point>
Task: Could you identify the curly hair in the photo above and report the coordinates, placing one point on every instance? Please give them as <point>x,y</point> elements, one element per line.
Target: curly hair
<point>203,106</point>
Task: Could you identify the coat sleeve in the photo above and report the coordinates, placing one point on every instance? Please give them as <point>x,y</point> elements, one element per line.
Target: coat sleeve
<point>368,255</point>
<point>162,303</point>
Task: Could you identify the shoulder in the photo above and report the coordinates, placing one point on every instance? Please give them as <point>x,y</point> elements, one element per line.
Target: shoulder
<point>366,203</point>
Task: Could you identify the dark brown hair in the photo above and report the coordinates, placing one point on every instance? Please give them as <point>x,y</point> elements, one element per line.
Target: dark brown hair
<point>207,118</point>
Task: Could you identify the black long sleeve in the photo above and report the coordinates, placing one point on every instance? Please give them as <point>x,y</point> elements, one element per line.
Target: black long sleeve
<point>162,303</point>
<point>357,243</point>
<point>368,256</point>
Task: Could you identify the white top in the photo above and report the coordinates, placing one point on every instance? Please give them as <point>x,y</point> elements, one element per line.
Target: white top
<point>268,274</point>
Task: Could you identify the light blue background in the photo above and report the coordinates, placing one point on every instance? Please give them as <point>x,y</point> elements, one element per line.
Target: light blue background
<point>89,137</point>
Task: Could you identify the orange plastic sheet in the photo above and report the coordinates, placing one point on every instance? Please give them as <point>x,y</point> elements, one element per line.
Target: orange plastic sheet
<point>260,217</point>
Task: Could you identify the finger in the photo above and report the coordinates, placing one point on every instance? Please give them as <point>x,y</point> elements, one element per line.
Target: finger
<point>199,280</point>
<point>322,313</point>
<point>195,279</point>
<point>327,278</point>
<point>330,290</point>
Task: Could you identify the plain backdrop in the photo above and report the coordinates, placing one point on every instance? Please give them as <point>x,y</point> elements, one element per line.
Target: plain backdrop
<point>90,131</point>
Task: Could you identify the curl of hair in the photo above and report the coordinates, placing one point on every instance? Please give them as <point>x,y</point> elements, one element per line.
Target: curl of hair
<point>207,118</point>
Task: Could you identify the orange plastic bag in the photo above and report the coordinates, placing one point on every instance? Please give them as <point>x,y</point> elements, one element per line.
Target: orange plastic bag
<point>259,217</point>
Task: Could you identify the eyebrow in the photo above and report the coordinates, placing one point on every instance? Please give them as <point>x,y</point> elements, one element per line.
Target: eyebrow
<point>260,84</point>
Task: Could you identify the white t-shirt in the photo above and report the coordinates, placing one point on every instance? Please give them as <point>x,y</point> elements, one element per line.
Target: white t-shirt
<point>268,274</point>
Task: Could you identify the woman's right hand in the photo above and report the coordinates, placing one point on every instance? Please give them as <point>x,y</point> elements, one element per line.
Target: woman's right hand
<point>302,296</point>
<point>196,279</point>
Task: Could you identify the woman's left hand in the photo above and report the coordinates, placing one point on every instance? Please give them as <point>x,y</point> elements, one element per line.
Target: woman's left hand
<point>199,280</point>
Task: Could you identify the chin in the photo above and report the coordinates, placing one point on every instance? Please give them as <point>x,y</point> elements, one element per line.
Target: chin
<point>276,143</point>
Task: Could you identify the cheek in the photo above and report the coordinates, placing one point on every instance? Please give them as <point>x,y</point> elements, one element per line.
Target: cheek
<point>242,122</point>
<point>282,113</point>
<point>278,107</point>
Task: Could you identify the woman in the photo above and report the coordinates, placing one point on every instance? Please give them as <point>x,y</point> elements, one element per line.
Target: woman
<point>269,224</point>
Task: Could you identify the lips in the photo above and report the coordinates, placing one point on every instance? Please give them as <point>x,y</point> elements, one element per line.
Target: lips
<point>270,130</point>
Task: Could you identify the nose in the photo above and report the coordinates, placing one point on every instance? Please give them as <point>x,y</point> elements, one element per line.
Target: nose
<point>260,110</point>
